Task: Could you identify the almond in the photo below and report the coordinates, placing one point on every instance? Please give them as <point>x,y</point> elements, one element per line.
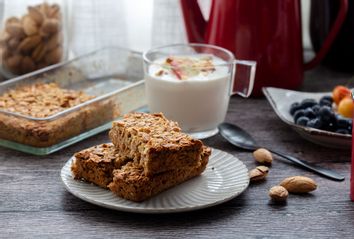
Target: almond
<point>15,29</point>
<point>6,53</point>
<point>27,65</point>
<point>29,26</point>
<point>50,26</point>
<point>262,155</point>
<point>36,15</point>
<point>259,173</point>
<point>54,56</point>
<point>12,63</point>
<point>54,11</point>
<point>4,38</point>
<point>54,41</point>
<point>13,43</point>
<point>29,43</point>
<point>41,65</point>
<point>278,193</point>
<point>12,20</point>
<point>39,52</point>
<point>44,8</point>
<point>299,184</point>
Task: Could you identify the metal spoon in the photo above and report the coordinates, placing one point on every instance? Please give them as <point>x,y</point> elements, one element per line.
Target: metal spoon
<point>241,139</point>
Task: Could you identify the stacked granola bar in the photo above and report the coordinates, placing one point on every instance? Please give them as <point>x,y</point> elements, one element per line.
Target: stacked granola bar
<point>149,154</point>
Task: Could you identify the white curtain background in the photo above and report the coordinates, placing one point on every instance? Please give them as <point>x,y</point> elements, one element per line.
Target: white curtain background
<point>96,24</point>
<point>135,24</point>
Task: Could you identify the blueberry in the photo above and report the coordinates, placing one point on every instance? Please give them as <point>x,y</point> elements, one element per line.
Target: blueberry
<point>325,102</point>
<point>298,114</point>
<point>342,131</point>
<point>294,107</point>
<point>308,103</point>
<point>342,122</point>
<point>302,120</point>
<point>309,113</point>
<point>316,108</point>
<point>329,126</point>
<point>350,125</point>
<point>314,123</point>
<point>326,114</point>
<point>328,98</point>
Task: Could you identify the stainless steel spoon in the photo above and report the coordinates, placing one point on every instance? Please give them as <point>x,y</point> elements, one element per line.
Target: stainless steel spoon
<point>241,139</point>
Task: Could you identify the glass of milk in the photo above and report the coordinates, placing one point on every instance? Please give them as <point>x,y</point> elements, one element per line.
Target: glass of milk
<point>192,84</point>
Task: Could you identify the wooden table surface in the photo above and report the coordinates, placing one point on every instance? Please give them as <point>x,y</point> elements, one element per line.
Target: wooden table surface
<point>34,202</point>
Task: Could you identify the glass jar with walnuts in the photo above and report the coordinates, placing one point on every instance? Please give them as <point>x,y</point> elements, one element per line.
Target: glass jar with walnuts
<point>32,35</point>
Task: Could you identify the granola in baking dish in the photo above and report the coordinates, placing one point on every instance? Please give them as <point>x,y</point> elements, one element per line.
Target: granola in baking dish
<point>41,100</point>
<point>154,142</point>
<point>44,100</point>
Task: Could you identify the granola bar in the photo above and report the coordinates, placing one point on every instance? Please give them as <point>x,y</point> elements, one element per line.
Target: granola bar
<point>96,164</point>
<point>131,183</point>
<point>155,143</point>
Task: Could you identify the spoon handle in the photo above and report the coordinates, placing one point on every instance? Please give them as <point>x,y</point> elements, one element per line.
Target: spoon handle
<point>316,169</point>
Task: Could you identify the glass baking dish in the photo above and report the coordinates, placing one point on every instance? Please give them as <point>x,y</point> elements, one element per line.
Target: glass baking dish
<point>113,75</point>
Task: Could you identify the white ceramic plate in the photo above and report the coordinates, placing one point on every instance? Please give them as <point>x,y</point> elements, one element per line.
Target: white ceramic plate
<point>281,99</point>
<point>224,178</point>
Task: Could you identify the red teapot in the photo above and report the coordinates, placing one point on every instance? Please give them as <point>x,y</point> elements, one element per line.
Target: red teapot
<point>268,32</point>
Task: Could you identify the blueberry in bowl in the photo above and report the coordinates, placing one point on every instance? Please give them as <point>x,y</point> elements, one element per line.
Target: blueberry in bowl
<point>327,127</point>
<point>320,115</point>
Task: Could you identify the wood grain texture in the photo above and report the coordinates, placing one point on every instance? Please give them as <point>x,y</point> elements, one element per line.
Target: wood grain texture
<point>34,202</point>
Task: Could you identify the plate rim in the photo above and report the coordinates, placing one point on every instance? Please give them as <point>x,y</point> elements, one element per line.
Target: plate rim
<point>152,210</point>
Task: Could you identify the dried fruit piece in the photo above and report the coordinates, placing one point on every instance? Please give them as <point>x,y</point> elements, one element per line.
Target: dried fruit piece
<point>299,184</point>
<point>346,107</point>
<point>340,92</point>
<point>259,173</point>
<point>278,193</point>
<point>262,155</point>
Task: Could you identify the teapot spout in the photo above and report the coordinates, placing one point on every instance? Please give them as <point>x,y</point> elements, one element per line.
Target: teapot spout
<point>194,21</point>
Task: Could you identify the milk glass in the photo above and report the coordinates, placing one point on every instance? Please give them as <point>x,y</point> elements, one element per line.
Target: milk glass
<point>192,84</point>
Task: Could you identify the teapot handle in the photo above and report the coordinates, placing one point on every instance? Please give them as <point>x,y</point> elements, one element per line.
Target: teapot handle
<point>343,9</point>
<point>244,85</point>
